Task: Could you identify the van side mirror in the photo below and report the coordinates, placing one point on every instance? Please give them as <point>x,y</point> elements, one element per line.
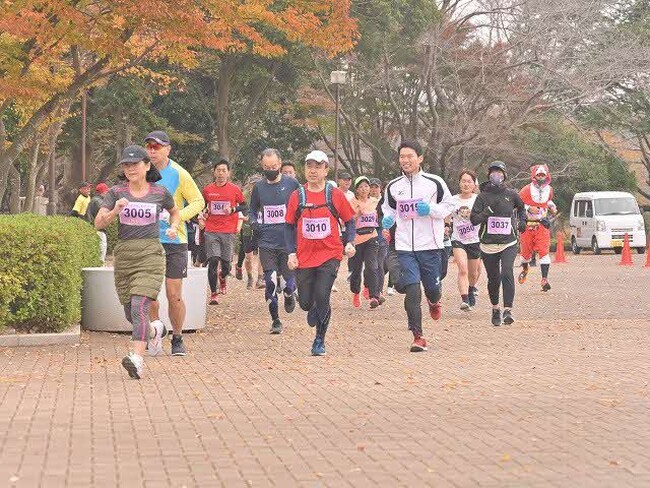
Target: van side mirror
<point>589,213</point>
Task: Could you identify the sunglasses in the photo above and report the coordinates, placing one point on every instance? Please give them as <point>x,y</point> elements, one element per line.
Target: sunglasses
<point>154,145</point>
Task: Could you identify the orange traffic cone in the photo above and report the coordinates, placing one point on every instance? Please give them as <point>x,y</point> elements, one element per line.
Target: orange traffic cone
<point>626,254</point>
<point>647,254</point>
<point>559,250</point>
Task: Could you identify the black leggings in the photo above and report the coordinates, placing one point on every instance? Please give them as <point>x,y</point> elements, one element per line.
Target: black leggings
<point>314,291</point>
<point>499,272</point>
<point>366,255</point>
<point>213,264</point>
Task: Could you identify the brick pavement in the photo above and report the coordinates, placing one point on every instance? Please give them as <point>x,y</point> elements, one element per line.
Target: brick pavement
<point>560,398</point>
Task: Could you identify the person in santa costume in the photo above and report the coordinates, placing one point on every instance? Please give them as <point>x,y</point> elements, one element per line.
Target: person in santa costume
<point>537,196</point>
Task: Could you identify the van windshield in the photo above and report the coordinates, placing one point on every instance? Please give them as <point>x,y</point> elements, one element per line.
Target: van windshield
<point>616,206</point>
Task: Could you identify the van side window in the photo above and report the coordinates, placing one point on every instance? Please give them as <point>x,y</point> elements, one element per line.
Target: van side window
<point>590,208</point>
<point>581,208</point>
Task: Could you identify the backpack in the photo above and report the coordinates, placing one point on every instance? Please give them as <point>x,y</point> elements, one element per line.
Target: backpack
<point>302,201</point>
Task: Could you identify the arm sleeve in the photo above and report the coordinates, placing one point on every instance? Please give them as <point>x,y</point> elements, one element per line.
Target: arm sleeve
<point>520,206</point>
<point>479,212</point>
<point>444,201</point>
<point>192,195</point>
<point>254,207</point>
<point>350,231</point>
<point>290,238</point>
<point>109,200</point>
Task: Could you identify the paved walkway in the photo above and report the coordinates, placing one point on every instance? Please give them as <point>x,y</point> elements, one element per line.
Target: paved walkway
<point>560,398</point>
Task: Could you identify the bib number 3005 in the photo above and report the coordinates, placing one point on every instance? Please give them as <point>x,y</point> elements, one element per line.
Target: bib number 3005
<point>139,214</point>
<point>499,225</point>
<point>316,228</point>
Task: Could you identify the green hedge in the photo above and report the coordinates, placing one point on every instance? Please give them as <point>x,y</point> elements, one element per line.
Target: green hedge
<point>40,270</point>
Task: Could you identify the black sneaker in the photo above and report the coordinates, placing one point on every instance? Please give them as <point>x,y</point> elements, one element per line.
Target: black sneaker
<point>496,317</point>
<point>249,283</point>
<point>289,302</point>
<point>178,348</point>
<point>276,327</point>
<point>507,317</point>
<point>471,298</point>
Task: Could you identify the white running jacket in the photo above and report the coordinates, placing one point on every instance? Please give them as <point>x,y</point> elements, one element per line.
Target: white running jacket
<point>415,233</point>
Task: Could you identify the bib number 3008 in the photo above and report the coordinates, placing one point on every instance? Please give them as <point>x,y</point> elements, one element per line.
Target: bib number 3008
<point>316,228</point>
<point>274,214</point>
<point>139,214</point>
<point>499,225</point>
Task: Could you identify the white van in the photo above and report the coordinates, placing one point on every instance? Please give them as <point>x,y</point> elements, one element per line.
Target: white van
<point>600,219</point>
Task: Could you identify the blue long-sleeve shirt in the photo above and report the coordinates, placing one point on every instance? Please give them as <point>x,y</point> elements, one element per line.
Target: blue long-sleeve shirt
<point>268,208</point>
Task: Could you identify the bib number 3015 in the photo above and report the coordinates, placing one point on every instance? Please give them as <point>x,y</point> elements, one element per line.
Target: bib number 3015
<point>499,225</point>
<point>139,214</point>
<point>316,228</point>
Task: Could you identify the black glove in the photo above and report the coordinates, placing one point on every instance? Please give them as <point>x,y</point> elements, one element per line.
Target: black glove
<point>545,222</point>
<point>521,226</point>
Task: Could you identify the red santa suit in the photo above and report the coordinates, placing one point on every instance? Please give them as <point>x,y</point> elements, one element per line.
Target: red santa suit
<point>538,199</point>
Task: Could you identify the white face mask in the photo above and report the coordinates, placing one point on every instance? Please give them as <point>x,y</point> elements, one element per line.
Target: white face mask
<point>496,178</point>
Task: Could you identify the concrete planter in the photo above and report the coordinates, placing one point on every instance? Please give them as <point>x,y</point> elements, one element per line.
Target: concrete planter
<point>70,336</point>
<point>101,309</point>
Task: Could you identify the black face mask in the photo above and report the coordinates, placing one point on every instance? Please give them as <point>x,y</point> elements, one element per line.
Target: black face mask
<point>271,174</point>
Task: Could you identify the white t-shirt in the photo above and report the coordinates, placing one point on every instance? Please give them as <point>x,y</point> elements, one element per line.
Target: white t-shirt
<point>463,230</point>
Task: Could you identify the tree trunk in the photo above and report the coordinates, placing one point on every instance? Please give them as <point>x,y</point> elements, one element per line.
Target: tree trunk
<point>30,182</point>
<point>222,105</point>
<point>14,194</point>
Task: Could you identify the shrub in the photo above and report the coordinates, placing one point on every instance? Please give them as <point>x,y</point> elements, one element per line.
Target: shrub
<point>40,270</point>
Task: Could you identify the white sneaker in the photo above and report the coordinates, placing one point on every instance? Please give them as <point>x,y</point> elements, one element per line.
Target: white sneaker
<point>390,291</point>
<point>155,343</point>
<point>134,364</point>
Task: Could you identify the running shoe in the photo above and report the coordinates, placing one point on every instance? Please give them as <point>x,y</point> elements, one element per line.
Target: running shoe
<point>366,293</point>
<point>239,273</point>
<point>222,286</point>
<point>356,301</point>
<point>390,291</point>
<point>546,286</point>
<point>419,344</point>
<point>374,303</point>
<point>318,347</point>
<point>214,300</point>
<point>435,309</point>
<point>473,289</point>
<point>178,347</point>
<point>465,306</point>
<point>522,276</point>
<point>249,283</point>
<point>382,299</point>
<point>507,317</point>
<point>260,283</point>
<point>134,364</point>
<point>155,344</point>
<point>496,317</point>
<point>289,302</point>
<point>276,327</point>
<point>471,298</point>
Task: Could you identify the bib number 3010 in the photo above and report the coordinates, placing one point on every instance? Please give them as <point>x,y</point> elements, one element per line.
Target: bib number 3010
<point>316,228</point>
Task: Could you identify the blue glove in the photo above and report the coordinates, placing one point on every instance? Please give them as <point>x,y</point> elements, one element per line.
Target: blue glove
<point>545,222</point>
<point>423,209</point>
<point>387,222</point>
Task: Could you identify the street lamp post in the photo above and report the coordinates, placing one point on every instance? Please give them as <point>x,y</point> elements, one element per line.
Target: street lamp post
<point>337,78</point>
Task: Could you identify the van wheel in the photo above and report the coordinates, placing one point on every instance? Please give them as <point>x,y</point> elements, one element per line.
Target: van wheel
<point>594,246</point>
<point>640,250</point>
<point>574,246</point>
<point>618,250</point>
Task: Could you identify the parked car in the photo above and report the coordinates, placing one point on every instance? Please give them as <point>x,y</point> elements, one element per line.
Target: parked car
<point>600,219</point>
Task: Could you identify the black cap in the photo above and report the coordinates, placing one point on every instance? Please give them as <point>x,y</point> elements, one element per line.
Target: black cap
<point>500,165</point>
<point>375,182</point>
<point>134,154</point>
<point>345,176</point>
<point>158,136</point>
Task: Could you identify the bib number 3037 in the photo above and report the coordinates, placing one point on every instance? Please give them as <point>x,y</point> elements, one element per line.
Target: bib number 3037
<point>406,209</point>
<point>499,225</point>
<point>139,214</point>
<point>316,228</point>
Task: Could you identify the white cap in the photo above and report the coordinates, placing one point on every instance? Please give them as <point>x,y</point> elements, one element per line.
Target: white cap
<point>540,170</point>
<point>318,156</point>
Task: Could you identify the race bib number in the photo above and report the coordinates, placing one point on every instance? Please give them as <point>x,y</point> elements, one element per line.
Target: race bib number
<point>219,208</point>
<point>274,214</point>
<point>406,209</point>
<point>139,214</point>
<point>367,220</point>
<point>466,232</point>
<point>499,225</point>
<point>316,228</point>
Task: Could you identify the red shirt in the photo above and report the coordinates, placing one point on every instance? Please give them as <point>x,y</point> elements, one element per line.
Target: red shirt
<point>318,238</point>
<point>218,200</point>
